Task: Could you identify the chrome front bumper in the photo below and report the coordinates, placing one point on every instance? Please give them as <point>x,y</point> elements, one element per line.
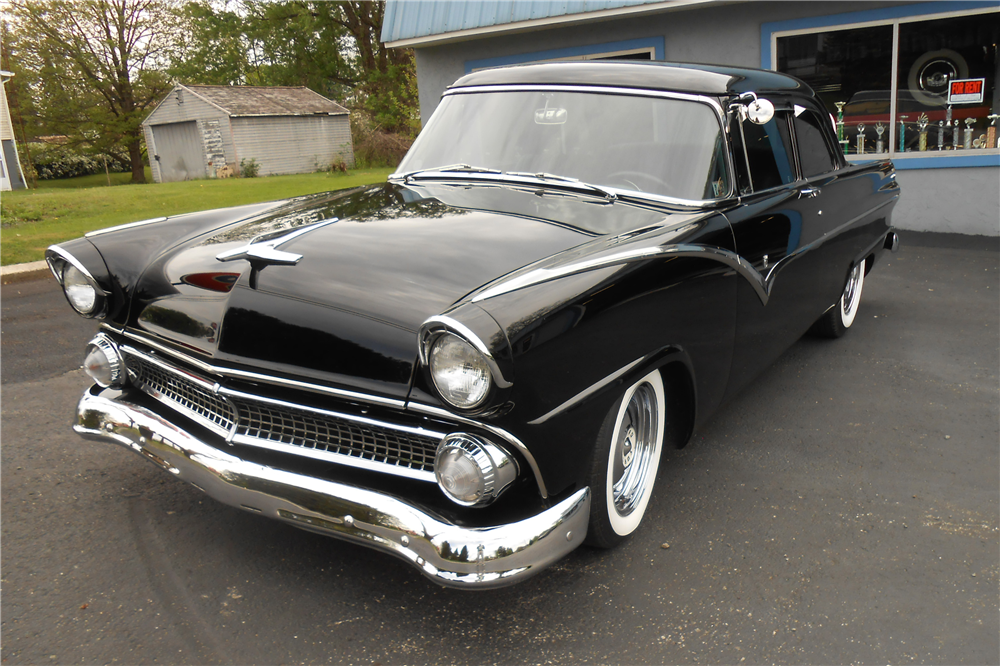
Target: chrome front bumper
<point>470,558</point>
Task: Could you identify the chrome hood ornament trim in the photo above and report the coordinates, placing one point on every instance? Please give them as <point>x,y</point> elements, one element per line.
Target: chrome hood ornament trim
<point>266,252</point>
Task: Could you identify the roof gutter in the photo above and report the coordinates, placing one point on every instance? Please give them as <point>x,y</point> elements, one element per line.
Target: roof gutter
<point>551,21</point>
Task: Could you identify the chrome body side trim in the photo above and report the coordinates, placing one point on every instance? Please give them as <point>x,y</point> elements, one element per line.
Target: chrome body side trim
<point>120,227</point>
<point>587,392</point>
<point>494,556</point>
<point>221,371</point>
<point>438,412</point>
<point>761,284</point>
<point>541,275</point>
<point>442,323</point>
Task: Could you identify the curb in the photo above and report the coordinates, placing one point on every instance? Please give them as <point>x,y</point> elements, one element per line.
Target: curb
<point>35,270</point>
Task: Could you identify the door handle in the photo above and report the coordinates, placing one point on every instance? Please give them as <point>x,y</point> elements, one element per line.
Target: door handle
<point>808,192</point>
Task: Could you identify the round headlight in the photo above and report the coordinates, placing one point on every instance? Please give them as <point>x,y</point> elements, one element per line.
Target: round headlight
<point>472,471</point>
<point>80,292</point>
<point>103,363</point>
<point>460,373</point>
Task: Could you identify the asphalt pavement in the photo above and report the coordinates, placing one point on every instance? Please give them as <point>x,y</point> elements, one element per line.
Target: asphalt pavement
<point>845,508</point>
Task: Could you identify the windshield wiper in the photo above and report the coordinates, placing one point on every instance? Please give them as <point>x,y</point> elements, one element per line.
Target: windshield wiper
<point>460,168</point>
<point>541,175</point>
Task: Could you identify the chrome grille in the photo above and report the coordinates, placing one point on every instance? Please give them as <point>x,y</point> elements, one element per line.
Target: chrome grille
<point>322,433</point>
<point>185,393</point>
<point>356,441</point>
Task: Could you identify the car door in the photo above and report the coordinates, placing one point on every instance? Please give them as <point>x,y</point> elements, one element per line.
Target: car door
<point>781,230</point>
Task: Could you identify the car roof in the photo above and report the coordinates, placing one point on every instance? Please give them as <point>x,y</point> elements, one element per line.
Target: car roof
<point>680,77</point>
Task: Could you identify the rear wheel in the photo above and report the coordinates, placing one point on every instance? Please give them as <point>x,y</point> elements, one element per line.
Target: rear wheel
<point>835,321</point>
<point>626,460</point>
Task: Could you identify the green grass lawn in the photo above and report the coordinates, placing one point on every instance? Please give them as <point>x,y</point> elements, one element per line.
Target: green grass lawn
<point>31,220</point>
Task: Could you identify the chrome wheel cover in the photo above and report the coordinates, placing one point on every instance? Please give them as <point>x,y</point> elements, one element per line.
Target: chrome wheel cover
<point>852,295</point>
<point>635,450</point>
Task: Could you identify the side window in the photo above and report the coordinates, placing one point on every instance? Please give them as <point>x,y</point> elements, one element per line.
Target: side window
<point>769,154</point>
<point>815,154</point>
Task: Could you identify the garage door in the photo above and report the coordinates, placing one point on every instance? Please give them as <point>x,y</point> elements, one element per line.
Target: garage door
<point>179,148</point>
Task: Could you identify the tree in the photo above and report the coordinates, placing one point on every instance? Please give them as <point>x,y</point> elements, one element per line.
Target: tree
<point>330,47</point>
<point>94,68</point>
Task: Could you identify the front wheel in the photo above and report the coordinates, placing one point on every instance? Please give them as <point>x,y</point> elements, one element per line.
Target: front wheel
<point>626,460</point>
<point>835,321</point>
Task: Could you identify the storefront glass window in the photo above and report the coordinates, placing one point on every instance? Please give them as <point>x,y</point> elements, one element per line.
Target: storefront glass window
<point>851,70</point>
<point>947,84</point>
<point>942,97</point>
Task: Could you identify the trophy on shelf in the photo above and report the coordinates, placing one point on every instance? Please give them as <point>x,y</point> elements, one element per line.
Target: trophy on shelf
<point>922,122</point>
<point>956,137</point>
<point>969,122</point>
<point>902,133</point>
<point>861,138</point>
<point>841,139</point>
<point>991,132</point>
<point>940,135</point>
<point>879,129</point>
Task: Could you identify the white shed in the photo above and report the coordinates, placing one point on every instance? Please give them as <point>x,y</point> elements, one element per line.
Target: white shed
<point>206,131</point>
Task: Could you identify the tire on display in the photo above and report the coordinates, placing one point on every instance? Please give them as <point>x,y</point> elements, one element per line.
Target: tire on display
<point>626,460</point>
<point>835,321</point>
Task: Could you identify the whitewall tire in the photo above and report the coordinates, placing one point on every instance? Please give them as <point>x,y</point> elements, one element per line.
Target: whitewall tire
<point>626,460</point>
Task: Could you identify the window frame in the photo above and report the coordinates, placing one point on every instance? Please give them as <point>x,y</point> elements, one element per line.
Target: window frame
<point>894,17</point>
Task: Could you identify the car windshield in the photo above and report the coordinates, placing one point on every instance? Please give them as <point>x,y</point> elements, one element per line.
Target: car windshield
<point>668,147</point>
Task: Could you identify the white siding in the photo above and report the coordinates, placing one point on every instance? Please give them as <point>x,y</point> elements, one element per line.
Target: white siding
<point>213,128</point>
<point>294,144</point>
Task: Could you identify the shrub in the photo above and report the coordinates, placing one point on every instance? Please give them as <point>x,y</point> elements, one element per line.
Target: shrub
<point>52,160</point>
<point>249,168</point>
<point>373,146</point>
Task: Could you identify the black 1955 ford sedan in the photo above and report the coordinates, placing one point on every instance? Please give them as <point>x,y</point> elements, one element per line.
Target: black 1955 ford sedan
<point>476,365</point>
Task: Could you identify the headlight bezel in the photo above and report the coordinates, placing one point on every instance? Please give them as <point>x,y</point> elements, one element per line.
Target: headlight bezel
<point>60,262</point>
<point>453,345</point>
<point>434,332</point>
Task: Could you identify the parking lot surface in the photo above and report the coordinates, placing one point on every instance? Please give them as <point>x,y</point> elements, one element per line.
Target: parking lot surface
<point>842,509</point>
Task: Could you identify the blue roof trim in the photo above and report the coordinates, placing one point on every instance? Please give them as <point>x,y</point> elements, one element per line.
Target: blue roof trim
<point>658,44</point>
<point>950,162</point>
<point>408,19</point>
<point>884,14</point>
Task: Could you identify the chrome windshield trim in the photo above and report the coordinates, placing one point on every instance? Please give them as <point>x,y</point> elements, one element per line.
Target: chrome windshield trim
<point>267,379</point>
<point>720,115</point>
<point>438,412</point>
<point>120,227</point>
<point>442,323</point>
<point>422,432</point>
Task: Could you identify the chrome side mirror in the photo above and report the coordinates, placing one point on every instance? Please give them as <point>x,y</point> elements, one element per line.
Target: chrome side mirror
<point>756,110</point>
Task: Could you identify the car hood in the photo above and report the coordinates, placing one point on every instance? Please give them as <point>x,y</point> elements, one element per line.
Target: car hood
<point>373,266</point>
